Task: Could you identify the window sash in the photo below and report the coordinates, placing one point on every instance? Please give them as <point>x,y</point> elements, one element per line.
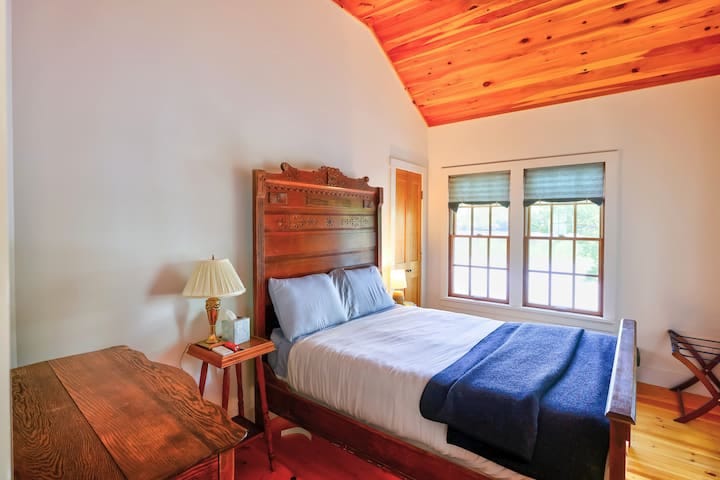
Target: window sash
<point>471,267</point>
<point>551,272</point>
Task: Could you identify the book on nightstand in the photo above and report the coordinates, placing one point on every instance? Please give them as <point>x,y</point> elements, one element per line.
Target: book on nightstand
<point>222,350</point>
<point>209,346</point>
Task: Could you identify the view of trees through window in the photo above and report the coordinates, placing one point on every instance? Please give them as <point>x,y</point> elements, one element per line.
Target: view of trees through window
<point>479,247</point>
<point>549,253</point>
<point>563,260</point>
<point>563,255</point>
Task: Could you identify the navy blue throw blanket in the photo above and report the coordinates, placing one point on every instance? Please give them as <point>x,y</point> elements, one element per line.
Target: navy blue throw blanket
<point>529,397</point>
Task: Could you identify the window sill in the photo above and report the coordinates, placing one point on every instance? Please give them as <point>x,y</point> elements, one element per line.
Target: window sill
<point>509,313</point>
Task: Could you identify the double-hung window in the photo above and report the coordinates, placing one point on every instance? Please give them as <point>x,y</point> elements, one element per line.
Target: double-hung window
<point>479,236</point>
<point>530,234</point>
<point>564,237</point>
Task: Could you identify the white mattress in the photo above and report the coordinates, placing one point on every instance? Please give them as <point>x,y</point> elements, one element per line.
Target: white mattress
<point>376,368</point>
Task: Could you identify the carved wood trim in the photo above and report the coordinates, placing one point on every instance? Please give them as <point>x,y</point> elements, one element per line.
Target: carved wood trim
<point>326,190</point>
<point>293,223</point>
<point>327,176</point>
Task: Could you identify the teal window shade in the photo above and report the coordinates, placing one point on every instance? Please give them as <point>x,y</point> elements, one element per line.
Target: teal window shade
<point>569,183</point>
<point>479,189</point>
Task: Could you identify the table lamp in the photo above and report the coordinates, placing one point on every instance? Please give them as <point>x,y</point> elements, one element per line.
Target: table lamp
<point>213,279</point>
<point>398,284</point>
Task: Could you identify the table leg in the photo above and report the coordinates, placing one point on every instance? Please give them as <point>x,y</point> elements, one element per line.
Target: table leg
<point>203,377</point>
<point>226,388</point>
<point>226,467</point>
<point>263,405</point>
<point>238,376</point>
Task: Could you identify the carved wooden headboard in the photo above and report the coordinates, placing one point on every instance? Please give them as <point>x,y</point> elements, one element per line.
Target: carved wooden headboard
<point>310,222</point>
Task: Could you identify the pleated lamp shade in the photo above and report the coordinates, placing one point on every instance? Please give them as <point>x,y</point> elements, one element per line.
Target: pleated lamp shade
<point>398,281</point>
<point>214,278</point>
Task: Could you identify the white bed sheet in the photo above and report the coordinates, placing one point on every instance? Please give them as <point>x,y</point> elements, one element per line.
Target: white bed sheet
<point>375,369</point>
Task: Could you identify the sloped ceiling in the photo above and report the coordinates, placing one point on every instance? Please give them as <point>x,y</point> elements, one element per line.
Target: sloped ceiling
<point>463,59</point>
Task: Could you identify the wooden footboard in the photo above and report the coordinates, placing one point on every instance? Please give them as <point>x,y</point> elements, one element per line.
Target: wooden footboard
<point>620,408</point>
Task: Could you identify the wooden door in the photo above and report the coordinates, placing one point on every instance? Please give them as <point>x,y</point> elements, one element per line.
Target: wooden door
<point>408,228</point>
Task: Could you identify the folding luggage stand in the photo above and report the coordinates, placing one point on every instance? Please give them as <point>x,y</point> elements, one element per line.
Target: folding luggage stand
<point>706,354</point>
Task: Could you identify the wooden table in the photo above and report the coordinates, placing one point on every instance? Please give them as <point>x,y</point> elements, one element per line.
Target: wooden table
<point>254,348</point>
<point>114,414</point>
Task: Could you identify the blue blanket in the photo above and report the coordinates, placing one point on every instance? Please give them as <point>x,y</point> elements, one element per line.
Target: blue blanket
<point>520,405</point>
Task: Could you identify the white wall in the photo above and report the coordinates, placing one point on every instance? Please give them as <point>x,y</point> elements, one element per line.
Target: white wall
<point>6,336</point>
<point>137,126</point>
<point>669,139</point>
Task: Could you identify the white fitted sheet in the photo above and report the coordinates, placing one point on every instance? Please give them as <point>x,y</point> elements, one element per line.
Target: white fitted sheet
<point>375,369</point>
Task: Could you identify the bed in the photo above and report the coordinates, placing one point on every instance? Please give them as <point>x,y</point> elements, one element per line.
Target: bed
<point>313,222</point>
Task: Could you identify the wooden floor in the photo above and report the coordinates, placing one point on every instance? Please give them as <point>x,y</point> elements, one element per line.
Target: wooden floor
<point>664,449</point>
<point>661,448</point>
<point>300,458</point>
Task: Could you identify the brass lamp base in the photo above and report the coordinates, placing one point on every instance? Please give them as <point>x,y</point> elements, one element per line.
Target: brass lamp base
<point>399,297</point>
<point>212,307</point>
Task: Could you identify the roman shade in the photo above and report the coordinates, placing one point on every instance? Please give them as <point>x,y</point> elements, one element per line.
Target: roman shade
<point>479,189</point>
<point>568,183</point>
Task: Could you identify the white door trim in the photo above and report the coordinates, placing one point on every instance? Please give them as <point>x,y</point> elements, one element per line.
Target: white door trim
<point>395,164</point>
<point>7,348</point>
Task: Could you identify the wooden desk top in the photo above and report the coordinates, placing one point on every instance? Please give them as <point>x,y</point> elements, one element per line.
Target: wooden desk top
<point>113,414</point>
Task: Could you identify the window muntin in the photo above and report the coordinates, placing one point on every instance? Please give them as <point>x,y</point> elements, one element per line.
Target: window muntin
<point>479,252</point>
<point>564,256</point>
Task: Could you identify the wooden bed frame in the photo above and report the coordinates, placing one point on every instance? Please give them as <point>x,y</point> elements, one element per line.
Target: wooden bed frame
<point>314,221</point>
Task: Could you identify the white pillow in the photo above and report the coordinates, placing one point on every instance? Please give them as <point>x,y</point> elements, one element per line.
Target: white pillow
<point>305,305</point>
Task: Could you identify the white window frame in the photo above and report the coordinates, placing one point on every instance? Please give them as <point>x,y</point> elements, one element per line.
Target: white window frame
<point>514,310</point>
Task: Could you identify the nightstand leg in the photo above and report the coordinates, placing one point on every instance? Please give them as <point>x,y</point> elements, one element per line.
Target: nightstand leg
<point>226,388</point>
<point>238,376</point>
<point>203,377</point>
<point>263,405</point>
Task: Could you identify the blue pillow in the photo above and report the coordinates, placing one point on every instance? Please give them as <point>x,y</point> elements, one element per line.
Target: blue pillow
<point>342,284</point>
<point>305,305</point>
<point>362,291</point>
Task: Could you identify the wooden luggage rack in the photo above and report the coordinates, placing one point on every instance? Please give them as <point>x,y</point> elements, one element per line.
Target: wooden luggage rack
<point>706,354</point>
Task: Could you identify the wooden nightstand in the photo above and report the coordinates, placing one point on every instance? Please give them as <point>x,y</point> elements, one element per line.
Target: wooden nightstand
<point>255,348</point>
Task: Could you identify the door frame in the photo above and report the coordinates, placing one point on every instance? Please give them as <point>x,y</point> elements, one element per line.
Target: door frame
<point>395,164</point>
<point>7,330</point>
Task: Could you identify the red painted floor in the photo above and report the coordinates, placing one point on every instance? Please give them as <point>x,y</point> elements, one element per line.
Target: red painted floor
<point>298,458</point>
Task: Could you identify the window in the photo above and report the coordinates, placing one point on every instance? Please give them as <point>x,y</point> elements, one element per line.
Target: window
<point>563,237</point>
<point>531,235</point>
<point>479,248</point>
<point>479,236</point>
<point>563,262</point>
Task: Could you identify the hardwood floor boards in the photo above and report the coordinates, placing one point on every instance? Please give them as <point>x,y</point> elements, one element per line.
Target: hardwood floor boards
<point>662,449</point>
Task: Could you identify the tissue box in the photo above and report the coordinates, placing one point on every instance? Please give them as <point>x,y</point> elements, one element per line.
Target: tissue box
<point>236,330</point>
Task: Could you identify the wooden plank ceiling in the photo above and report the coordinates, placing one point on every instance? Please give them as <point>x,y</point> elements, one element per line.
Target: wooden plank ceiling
<point>463,59</point>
